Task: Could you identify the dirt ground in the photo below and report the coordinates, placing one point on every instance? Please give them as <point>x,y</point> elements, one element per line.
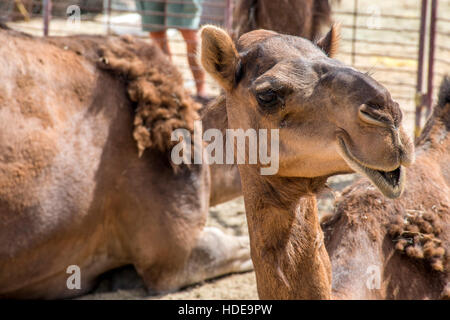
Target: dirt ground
<point>230,216</point>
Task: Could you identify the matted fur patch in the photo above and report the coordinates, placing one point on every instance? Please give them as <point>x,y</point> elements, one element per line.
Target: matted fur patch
<point>156,87</point>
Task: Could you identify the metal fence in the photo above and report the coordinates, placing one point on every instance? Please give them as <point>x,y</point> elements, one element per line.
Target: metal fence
<point>403,43</point>
<point>68,17</point>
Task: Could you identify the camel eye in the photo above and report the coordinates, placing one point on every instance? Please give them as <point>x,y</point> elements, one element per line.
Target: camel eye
<point>267,96</point>
<point>268,99</point>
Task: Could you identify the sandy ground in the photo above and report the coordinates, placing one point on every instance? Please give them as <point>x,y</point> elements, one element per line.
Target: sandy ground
<point>230,216</point>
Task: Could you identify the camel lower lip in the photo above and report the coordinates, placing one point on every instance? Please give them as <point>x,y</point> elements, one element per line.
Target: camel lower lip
<point>390,183</point>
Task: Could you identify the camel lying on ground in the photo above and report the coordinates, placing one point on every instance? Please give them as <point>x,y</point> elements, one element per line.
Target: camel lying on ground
<point>73,190</point>
<point>398,249</point>
<point>303,18</point>
<point>330,118</point>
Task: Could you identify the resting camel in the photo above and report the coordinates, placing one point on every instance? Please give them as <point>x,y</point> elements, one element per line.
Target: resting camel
<point>398,249</point>
<point>331,119</point>
<point>74,112</point>
<point>303,18</point>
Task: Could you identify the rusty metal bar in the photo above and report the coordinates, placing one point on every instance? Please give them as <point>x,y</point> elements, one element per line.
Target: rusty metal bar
<point>165,13</point>
<point>389,43</point>
<point>399,84</point>
<point>83,7</point>
<point>381,69</point>
<point>362,14</point>
<point>443,48</point>
<point>443,33</point>
<point>407,98</point>
<point>443,19</point>
<point>108,17</point>
<point>446,62</point>
<point>421,55</point>
<point>229,15</point>
<point>377,54</point>
<point>432,43</point>
<point>355,17</point>
<point>346,26</point>
<point>211,4</point>
<point>47,11</point>
<point>204,3</point>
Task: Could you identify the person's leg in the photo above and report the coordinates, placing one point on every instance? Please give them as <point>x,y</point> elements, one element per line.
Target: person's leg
<point>190,36</point>
<point>153,22</point>
<point>161,40</point>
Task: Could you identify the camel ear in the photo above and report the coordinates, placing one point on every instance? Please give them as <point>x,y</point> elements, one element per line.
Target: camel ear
<point>330,42</point>
<point>219,56</point>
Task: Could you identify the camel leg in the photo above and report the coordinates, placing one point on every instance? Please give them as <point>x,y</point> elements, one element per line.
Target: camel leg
<point>214,254</point>
<point>217,254</point>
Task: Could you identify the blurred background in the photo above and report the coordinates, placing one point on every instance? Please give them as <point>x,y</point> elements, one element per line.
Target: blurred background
<point>380,37</point>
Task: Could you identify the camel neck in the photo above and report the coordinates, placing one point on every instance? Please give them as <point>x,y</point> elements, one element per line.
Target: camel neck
<point>289,257</point>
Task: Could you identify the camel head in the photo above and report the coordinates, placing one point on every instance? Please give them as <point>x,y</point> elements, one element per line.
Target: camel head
<point>331,118</point>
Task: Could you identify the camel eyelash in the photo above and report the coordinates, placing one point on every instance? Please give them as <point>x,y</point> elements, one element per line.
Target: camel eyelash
<point>374,105</point>
<point>269,100</point>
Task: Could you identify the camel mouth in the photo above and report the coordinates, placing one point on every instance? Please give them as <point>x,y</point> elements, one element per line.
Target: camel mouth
<point>390,183</point>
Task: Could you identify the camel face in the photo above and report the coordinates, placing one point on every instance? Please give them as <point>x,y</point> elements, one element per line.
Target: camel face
<point>331,118</point>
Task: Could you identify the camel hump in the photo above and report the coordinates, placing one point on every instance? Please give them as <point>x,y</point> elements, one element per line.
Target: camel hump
<point>156,87</point>
<point>153,85</point>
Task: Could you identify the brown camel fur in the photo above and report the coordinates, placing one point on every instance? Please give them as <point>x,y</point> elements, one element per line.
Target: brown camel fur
<point>331,119</point>
<point>73,190</point>
<point>408,239</point>
<point>303,18</point>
